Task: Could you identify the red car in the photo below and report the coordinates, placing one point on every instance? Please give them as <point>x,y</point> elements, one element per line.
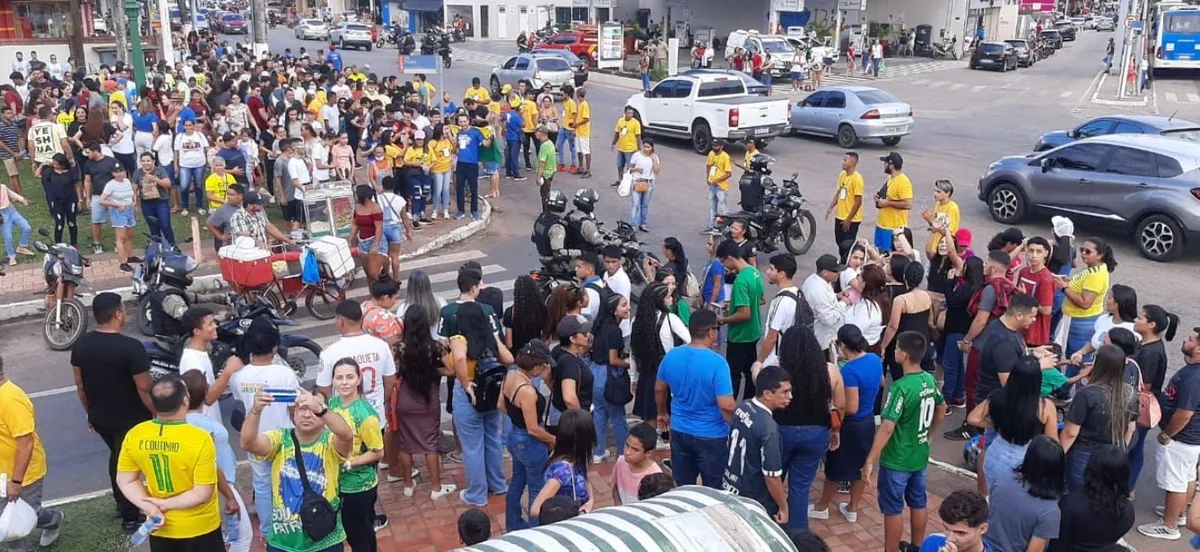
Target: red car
<point>582,42</point>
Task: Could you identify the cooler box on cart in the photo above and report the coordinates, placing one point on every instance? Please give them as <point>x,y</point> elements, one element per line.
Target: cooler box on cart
<point>243,264</point>
<point>334,252</point>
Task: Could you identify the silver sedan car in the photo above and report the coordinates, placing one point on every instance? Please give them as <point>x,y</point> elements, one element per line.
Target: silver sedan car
<point>853,113</point>
<point>535,69</point>
<point>312,29</point>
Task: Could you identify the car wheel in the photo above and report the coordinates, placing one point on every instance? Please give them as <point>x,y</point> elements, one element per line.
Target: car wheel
<point>1004,66</point>
<point>1160,238</point>
<point>891,140</point>
<point>369,46</point>
<point>1006,204</point>
<point>846,136</point>
<point>702,139</point>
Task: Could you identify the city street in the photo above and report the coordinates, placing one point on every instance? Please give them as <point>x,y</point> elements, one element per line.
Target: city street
<point>964,121</point>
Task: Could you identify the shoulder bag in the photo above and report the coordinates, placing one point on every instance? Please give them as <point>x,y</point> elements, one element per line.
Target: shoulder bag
<point>1149,411</point>
<point>318,517</point>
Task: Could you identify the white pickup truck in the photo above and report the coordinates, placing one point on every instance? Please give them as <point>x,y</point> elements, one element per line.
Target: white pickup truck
<point>705,108</point>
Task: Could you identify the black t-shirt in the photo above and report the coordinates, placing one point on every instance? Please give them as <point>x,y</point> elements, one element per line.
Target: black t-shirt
<point>1085,529</point>
<point>1089,410</point>
<point>608,338</point>
<point>520,336</point>
<point>999,351</point>
<point>107,363</point>
<point>101,172</point>
<point>1183,391</point>
<point>571,367</point>
<point>57,185</point>
<point>1152,358</point>
<point>958,317</point>
<point>753,454</point>
<point>939,270</point>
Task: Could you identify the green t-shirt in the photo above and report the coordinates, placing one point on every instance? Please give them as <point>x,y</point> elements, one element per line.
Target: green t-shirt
<point>368,436</point>
<point>492,153</point>
<point>683,311</point>
<point>547,155</point>
<point>747,292</point>
<point>911,404</point>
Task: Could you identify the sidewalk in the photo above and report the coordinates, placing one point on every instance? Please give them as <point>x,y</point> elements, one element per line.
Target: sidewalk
<point>1109,88</point>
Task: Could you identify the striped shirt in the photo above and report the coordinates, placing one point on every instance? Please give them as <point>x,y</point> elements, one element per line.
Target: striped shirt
<point>10,134</point>
<point>684,520</point>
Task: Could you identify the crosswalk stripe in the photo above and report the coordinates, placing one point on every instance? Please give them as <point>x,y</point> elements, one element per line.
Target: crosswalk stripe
<point>978,88</point>
<point>1193,97</point>
<point>1065,94</point>
<point>1170,96</point>
<point>461,256</point>
<point>937,84</point>
<point>956,86</point>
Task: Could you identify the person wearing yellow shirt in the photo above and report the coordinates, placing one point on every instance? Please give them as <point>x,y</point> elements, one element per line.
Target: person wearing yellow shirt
<point>216,186</point>
<point>179,464</point>
<point>894,202</point>
<point>419,160</point>
<point>627,138</point>
<point>23,458</point>
<point>583,133</point>
<point>442,147</point>
<point>566,135</point>
<point>719,167</point>
<point>1085,292</point>
<point>529,116</point>
<point>847,201</point>
<point>945,213</point>
<point>477,92</point>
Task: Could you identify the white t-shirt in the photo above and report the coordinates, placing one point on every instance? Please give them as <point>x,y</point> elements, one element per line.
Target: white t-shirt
<point>320,154</point>
<point>193,359</point>
<point>1105,323</point>
<point>342,91</point>
<point>298,170</point>
<point>593,306</point>
<point>252,378</point>
<point>393,209</point>
<point>332,117</point>
<point>164,150</point>
<point>422,122</point>
<point>672,325</point>
<point>780,316</point>
<point>192,149</point>
<point>619,283</point>
<point>867,315</point>
<point>125,144</point>
<point>375,361</point>
<point>402,307</point>
<point>645,165</point>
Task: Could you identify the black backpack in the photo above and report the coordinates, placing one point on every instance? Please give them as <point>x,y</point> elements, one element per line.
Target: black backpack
<point>803,315</point>
<point>318,517</point>
<point>618,388</point>
<point>489,378</point>
<point>604,292</point>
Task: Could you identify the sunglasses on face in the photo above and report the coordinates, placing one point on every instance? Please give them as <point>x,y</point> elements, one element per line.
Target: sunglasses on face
<point>1086,250</point>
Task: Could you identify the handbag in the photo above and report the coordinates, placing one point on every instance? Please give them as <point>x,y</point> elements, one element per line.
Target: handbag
<point>641,186</point>
<point>618,389</point>
<point>318,517</point>
<point>1149,411</point>
<point>626,185</point>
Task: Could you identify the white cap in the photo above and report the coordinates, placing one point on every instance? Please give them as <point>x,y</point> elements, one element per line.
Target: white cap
<point>419,135</point>
<point>1063,226</point>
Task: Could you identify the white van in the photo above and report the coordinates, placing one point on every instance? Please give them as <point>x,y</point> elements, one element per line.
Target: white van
<point>780,49</point>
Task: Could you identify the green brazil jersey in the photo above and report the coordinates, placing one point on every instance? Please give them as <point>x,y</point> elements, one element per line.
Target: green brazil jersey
<point>367,437</point>
<point>747,292</point>
<point>912,402</point>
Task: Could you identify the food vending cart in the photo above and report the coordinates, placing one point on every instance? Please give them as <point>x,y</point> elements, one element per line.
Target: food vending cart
<point>329,208</point>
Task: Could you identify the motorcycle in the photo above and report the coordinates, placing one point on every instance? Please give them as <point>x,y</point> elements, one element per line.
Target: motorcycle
<point>164,266</point>
<point>428,47</point>
<point>782,218</point>
<point>66,317</point>
<point>944,51</point>
<point>635,262</point>
<point>446,53</point>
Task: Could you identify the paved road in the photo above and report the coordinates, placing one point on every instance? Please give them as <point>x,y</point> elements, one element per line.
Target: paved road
<point>965,120</point>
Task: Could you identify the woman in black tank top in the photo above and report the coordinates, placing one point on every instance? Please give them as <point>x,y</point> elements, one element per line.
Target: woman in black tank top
<point>912,311</point>
<point>529,443</point>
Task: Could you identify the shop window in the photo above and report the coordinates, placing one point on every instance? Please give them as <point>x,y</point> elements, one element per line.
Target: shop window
<point>42,19</point>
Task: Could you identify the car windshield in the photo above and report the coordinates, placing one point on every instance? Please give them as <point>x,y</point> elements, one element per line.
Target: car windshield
<point>1050,33</point>
<point>1016,43</point>
<point>721,88</point>
<point>552,64</point>
<point>1187,23</point>
<point>873,97</point>
<point>231,17</point>
<point>991,48</point>
<point>1188,134</point>
<point>314,22</point>
<point>777,46</point>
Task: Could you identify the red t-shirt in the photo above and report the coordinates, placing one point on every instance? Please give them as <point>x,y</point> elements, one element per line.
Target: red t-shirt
<point>1039,285</point>
<point>757,63</point>
<point>738,63</point>
<point>256,106</point>
<point>12,97</point>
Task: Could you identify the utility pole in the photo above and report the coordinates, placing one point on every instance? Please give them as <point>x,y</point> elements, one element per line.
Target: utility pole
<point>76,19</point>
<point>258,23</point>
<point>133,10</point>
<point>119,29</point>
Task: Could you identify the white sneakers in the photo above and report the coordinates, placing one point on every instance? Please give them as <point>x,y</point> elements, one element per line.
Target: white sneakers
<point>814,513</point>
<point>1158,530</point>
<point>600,459</point>
<point>446,489</point>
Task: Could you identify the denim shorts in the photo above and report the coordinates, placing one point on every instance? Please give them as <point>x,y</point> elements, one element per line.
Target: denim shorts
<point>392,235</point>
<point>121,218</point>
<point>897,488</point>
<point>99,212</point>
<point>366,244</point>
<point>489,168</point>
<point>884,238</point>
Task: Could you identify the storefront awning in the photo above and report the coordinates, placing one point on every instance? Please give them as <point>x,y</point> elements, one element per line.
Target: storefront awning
<point>422,5</point>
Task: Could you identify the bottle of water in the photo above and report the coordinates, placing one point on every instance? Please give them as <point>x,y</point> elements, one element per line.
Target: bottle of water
<point>229,526</point>
<point>143,532</point>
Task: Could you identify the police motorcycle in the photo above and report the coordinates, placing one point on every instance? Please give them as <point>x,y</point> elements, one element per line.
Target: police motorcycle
<point>557,269</point>
<point>66,317</point>
<point>443,49</point>
<point>774,213</point>
<point>164,268</point>
<point>428,44</point>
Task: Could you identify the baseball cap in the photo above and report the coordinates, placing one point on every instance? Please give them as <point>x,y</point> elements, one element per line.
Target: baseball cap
<point>893,158</point>
<point>572,325</point>
<point>1063,226</point>
<point>830,263</point>
<point>963,237</point>
<point>419,135</point>
<point>251,198</point>
<point>506,89</point>
<point>538,349</point>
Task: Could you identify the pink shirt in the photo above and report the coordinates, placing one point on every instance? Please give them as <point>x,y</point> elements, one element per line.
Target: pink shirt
<point>627,482</point>
<point>342,156</point>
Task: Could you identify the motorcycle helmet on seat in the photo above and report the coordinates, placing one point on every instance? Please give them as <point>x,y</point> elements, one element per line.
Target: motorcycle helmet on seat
<point>585,199</point>
<point>556,201</point>
<point>762,163</point>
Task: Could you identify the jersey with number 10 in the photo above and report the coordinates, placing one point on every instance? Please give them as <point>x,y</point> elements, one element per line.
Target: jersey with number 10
<point>375,362</point>
<point>174,456</point>
<point>912,402</point>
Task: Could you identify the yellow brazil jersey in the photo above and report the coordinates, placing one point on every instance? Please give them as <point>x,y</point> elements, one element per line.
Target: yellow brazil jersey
<point>849,187</point>
<point>478,94</point>
<point>898,188</point>
<point>583,118</point>
<point>529,114</point>
<point>323,465</point>
<point>218,187</point>
<point>357,77</point>
<point>174,456</point>
<point>718,165</point>
<point>949,212</point>
<point>395,154</point>
<point>1093,279</point>
<point>628,131</point>
<point>495,108</point>
<point>570,109</point>
<point>417,155</point>
<point>443,155</point>
<point>368,436</point>
<point>17,420</point>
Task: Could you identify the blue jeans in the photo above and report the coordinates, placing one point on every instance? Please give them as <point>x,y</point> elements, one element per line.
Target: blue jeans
<point>528,464</point>
<point>468,178</point>
<point>702,457</point>
<point>161,210</point>
<point>566,139</point>
<point>12,217</point>
<point>483,449</point>
<point>419,185</point>
<point>262,493</point>
<point>512,159</point>
<point>1002,457</point>
<point>645,82</point>
<point>605,413</point>
<point>639,207</point>
<point>954,364</point>
<point>718,204</point>
<point>1137,456</point>
<point>1077,460</point>
<point>441,191</point>
<point>190,177</point>
<point>623,158</point>
<point>801,448</point>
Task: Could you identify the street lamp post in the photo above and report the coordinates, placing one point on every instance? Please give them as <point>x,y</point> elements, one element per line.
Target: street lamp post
<point>132,11</point>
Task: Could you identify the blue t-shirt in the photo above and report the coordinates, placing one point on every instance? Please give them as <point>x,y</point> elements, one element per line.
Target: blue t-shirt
<point>514,123</point>
<point>225,458</point>
<point>697,376</point>
<point>865,373</point>
<point>935,542</point>
<point>449,109</point>
<point>336,59</point>
<point>185,115</point>
<point>715,268</point>
<point>468,145</point>
<point>144,123</point>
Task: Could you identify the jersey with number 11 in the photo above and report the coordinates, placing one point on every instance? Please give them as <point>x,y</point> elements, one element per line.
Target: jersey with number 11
<point>912,403</point>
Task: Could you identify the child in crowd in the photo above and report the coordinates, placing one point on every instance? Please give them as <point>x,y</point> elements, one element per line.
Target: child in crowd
<point>655,484</point>
<point>965,515</point>
<point>567,469</point>
<point>914,408</point>
<point>755,466</point>
<point>474,527</point>
<point>556,509</point>
<point>635,464</point>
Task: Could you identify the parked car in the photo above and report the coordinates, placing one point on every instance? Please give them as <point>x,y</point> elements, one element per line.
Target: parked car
<point>853,113</point>
<point>706,107</point>
<point>780,48</point>
<point>1079,22</point>
<point>578,65</point>
<point>1052,37</point>
<point>1146,185</point>
<point>993,55</point>
<point>1025,55</point>
<point>819,49</point>
<point>1067,30</point>
<point>753,86</point>
<point>233,23</point>
<point>535,69</point>
<point>1106,24</point>
<point>312,29</point>
<point>1170,127</point>
<point>347,34</point>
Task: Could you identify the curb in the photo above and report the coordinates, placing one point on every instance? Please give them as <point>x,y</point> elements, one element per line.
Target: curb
<point>214,282</point>
<point>1096,99</point>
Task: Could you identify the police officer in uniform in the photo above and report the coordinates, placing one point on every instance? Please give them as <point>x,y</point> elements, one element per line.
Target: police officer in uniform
<point>583,232</point>
<point>754,181</point>
<point>550,235</point>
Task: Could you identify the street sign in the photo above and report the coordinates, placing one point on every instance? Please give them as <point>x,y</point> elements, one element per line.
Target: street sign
<point>417,64</point>
<point>1129,21</point>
